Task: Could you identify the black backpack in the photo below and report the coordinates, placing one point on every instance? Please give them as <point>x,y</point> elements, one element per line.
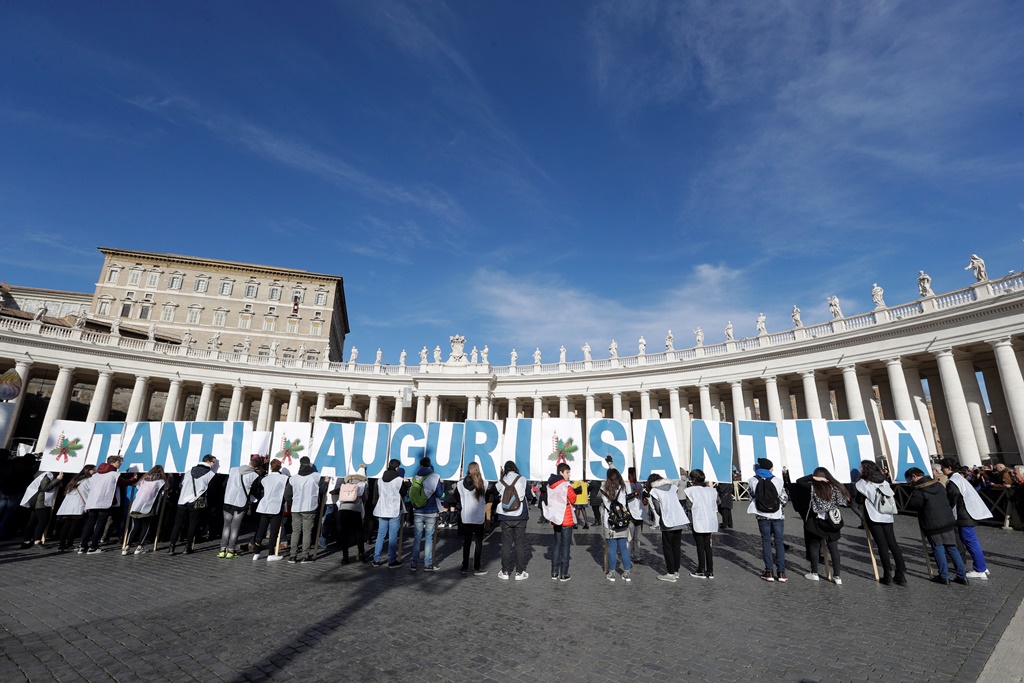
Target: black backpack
<point>619,518</point>
<point>766,498</point>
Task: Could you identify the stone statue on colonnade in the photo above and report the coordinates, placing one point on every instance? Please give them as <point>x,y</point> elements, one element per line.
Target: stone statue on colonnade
<point>401,358</point>
<point>151,332</point>
<point>115,328</point>
<point>379,357</point>
<point>513,358</point>
<point>536,356</point>
<point>483,354</point>
<point>642,346</point>
<point>561,354</point>
<point>423,354</point>
<point>924,283</point>
<point>795,315</point>
<point>613,349</point>
<point>474,356</point>
<point>353,354</point>
<point>670,342</point>
<point>214,343</point>
<point>437,353</point>
<point>876,296</point>
<point>728,332</point>
<point>586,350</point>
<point>699,333</point>
<point>761,328</point>
<point>833,307</point>
<point>977,264</point>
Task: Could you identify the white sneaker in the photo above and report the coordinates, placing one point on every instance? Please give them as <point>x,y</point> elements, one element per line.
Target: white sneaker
<point>671,578</point>
<point>522,576</point>
<point>836,580</point>
<point>610,577</point>
<point>503,575</point>
<point>978,575</point>
<point>124,552</point>
<point>275,558</point>
<point>811,576</point>
<point>256,557</point>
<point>626,577</point>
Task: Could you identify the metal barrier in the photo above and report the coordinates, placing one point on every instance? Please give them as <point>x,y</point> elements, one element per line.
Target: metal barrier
<point>999,500</point>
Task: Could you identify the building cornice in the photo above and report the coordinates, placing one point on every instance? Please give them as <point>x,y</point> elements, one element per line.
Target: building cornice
<point>291,273</point>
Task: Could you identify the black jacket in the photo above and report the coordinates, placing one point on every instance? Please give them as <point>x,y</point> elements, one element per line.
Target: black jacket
<point>956,500</point>
<point>931,503</point>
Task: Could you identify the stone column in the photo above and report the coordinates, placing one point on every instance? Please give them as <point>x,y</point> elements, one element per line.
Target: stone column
<point>851,388</point>
<point>976,406</point>
<point>471,407</point>
<point>645,404</point>
<point>705,402</point>
<point>171,404</point>
<point>235,409</point>
<point>371,412</point>
<point>538,407</point>
<point>871,415</point>
<point>434,409</point>
<point>900,393</point>
<point>263,421</point>
<point>959,413</point>
<point>485,407</point>
<point>679,421</point>
<point>617,405</point>
<point>205,401</point>
<point>1013,384</point>
<point>421,408</point>
<point>590,405</point>
<point>1000,409</point>
<point>513,408</point>
<point>811,396</point>
<point>138,401</point>
<point>736,390</point>
<point>246,407</point>
<point>825,399</point>
<point>771,386</point>
<point>56,407</point>
<point>921,413</point>
<point>293,406</point>
<point>99,408</point>
<point>945,444</point>
<point>563,406</point>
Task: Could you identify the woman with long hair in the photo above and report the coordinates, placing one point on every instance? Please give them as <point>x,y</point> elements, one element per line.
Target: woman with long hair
<point>824,519</point>
<point>613,500</point>
<point>703,501</point>
<point>872,488</point>
<point>71,513</point>
<point>471,492</point>
<point>670,517</point>
<point>637,506</point>
<point>513,513</point>
<point>144,508</point>
<point>237,495</point>
<point>38,498</point>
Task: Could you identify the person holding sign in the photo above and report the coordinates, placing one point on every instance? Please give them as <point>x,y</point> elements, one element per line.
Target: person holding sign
<point>824,520</point>
<point>703,501</point>
<point>192,502</point>
<point>637,505</point>
<point>350,492</point>
<point>879,502</point>
<point>425,491</point>
<point>388,512</point>
<point>558,502</point>
<point>768,499</point>
<point>670,517</point>
<point>270,510</point>
<point>144,508</point>
<point>236,503</point>
<point>471,492</point>
<point>931,503</point>
<point>968,508</point>
<point>303,492</point>
<point>71,513</point>
<point>104,498</point>
<point>616,523</point>
<point>38,499</point>
<point>513,514</point>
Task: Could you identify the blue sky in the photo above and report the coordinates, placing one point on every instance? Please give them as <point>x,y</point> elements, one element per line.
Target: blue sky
<point>525,174</point>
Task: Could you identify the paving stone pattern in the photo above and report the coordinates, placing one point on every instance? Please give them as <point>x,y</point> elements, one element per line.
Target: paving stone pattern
<point>155,617</point>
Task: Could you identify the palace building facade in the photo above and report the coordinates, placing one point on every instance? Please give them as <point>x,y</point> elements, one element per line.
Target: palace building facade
<point>952,361</point>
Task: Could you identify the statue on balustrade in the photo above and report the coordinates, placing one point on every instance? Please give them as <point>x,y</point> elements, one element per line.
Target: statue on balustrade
<point>437,353</point>
<point>876,296</point>
<point>474,355</point>
<point>795,315</point>
<point>642,346</point>
<point>536,356</point>
<point>699,334</point>
<point>761,329</point>
<point>81,319</point>
<point>353,354</point>
<point>274,346</point>
<point>614,349</point>
<point>151,332</point>
<point>728,332</point>
<point>483,354</point>
<point>977,264</point>
<point>924,283</point>
<point>247,344</point>
<point>833,307</point>
<point>513,358</point>
<point>40,313</point>
<point>302,349</point>
<point>115,328</point>
<point>214,343</point>
<point>670,342</point>
<point>379,357</point>
<point>186,339</point>
<point>561,354</point>
<point>401,358</point>
<point>586,350</point>
<point>423,355</point>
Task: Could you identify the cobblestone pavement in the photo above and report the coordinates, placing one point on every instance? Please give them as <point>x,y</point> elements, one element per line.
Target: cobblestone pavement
<point>156,617</point>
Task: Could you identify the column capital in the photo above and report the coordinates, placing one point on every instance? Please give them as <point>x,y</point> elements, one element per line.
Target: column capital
<point>645,392</point>
<point>946,352</point>
<point>141,378</point>
<point>895,360</point>
<point>23,364</point>
<point>704,387</point>
<point>67,368</point>
<point>808,373</point>
<point>1001,342</point>
<point>106,373</point>
<point>849,367</point>
<point>736,384</point>
<point>176,381</point>
<point>771,379</point>
<point>673,390</point>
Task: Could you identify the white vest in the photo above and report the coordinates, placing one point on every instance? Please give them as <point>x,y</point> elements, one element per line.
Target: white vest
<point>389,500</point>
<point>33,489</point>
<point>305,492</point>
<point>703,508</point>
<point>146,495</point>
<point>672,513</point>
<point>74,503</point>
<point>557,502</point>
<point>238,485</point>
<point>192,488</point>
<point>976,507</point>
<point>474,511</point>
<point>273,494</point>
<point>103,493</point>
<point>869,490</point>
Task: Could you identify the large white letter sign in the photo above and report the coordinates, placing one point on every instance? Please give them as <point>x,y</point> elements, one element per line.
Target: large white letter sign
<point>904,439</point>
<point>409,445</point>
<point>851,442</point>
<point>106,441</point>
<point>657,449</point>
<point>522,439</point>
<point>805,446</point>
<point>67,446</point>
<point>444,448</point>
<point>712,449</point>
<point>483,445</point>
<point>561,441</point>
<point>607,438</point>
<point>330,448</point>
<point>261,442</point>
<point>757,439</point>
<point>370,446</point>
<point>229,442</point>
<point>291,439</point>
<point>138,446</point>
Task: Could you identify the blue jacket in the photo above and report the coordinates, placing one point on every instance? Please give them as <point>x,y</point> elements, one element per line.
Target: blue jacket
<point>431,508</point>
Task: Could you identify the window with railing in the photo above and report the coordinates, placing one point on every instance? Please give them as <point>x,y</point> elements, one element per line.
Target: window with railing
<point>316,328</point>
<point>269,324</point>
<point>293,326</point>
<point>245,321</point>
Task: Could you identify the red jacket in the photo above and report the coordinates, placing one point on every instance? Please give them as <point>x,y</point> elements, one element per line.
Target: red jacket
<point>570,496</point>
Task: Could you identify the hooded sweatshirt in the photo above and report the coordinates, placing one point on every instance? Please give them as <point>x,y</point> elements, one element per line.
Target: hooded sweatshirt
<point>930,502</point>
<point>304,490</point>
<point>195,483</point>
<point>240,481</point>
<point>474,510</point>
<point>389,495</point>
<point>669,513</point>
<point>558,508</point>
<point>40,492</point>
<point>770,480</point>
<point>103,491</point>
<point>433,486</point>
<point>868,490</point>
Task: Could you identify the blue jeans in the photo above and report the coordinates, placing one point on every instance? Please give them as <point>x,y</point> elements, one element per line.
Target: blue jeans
<point>387,527</point>
<point>622,546</point>
<point>769,528</point>
<point>969,537</point>
<point>940,560</point>
<point>423,523</point>
<point>560,550</point>
<point>329,511</point>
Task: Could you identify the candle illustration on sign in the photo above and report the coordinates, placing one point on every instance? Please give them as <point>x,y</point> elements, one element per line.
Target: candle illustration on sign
<point>562,451</point>
<point>66,448</point>
<point>289,448</point>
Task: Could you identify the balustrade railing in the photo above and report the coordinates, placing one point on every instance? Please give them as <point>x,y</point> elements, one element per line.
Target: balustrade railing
<point>964,296</point>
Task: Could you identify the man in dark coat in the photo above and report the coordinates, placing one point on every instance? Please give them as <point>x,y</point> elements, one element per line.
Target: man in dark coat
<point>936,519</point>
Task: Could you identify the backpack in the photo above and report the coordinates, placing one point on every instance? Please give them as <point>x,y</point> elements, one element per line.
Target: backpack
<point>619,518</point>
<point>348,493</point>
<point>766,498</point>
<point>510,500</point>
<point>417,494</point>
<point>886,501</point>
